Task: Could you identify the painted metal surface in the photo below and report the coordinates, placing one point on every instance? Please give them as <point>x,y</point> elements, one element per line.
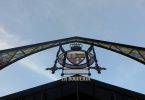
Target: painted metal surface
<point>10,56</point>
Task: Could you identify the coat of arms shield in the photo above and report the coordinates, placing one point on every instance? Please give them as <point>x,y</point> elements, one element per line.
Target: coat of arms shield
<point>76,57</point>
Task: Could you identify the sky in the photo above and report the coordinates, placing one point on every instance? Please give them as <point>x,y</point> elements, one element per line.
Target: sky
<point>24,22</point>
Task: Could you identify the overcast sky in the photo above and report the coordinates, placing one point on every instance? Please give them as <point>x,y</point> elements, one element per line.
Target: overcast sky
<point>24,22</point>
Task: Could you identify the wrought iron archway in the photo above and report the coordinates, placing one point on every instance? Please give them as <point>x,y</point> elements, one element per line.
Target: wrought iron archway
<point>12,55</point>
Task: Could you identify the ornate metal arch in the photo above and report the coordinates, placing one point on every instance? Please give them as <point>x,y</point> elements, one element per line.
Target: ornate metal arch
<point>10,56</point>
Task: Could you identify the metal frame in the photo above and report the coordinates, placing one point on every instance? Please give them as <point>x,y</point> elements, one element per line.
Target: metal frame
<point>10,56</point>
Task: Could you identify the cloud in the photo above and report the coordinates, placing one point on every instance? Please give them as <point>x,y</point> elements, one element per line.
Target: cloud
<point>36,68</point>
<point>9,40</point>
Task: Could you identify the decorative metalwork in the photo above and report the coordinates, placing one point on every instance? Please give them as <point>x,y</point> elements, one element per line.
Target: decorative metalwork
<point>76,59</point>
<point>10,56</point>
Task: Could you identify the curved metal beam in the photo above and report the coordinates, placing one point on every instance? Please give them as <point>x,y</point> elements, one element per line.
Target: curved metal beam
<point>10,56</point>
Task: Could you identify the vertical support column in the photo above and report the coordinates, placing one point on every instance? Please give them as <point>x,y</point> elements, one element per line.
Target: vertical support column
<point>88,64</point>
<point>64,61</point>
<point>114,96</point>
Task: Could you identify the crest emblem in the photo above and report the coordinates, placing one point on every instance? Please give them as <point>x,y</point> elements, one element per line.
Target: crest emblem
<point>76,57</point>
<point>76,60</point>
